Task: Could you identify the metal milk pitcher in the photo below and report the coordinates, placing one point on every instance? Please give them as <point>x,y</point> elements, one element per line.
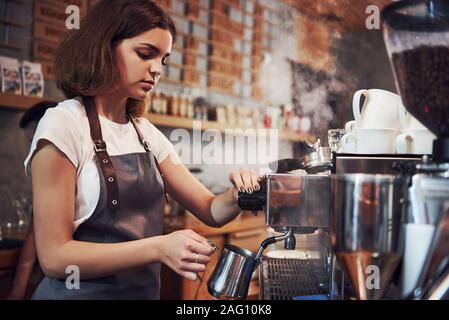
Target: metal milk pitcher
<point>232,275</point>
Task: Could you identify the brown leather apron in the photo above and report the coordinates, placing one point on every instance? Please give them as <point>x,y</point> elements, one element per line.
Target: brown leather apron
<point>130,207</point>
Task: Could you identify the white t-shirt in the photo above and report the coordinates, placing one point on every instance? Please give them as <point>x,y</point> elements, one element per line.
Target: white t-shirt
<point>67,127</point>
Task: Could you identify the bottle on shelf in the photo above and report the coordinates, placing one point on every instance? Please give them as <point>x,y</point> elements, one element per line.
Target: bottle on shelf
<point>148,102</point>
<point>205,111</point>
<point>182,106</point>
<point>190,110</point>
<point>155,101</point>
<point>174,105</point>
<point>163,104</point>
<point>197,112</point>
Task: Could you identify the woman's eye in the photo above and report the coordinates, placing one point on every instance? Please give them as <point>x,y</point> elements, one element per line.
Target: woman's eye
<point>164,61</point>
<point>144,55</point>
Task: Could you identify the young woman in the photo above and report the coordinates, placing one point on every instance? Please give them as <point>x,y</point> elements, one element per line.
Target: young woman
<point>100,171</point>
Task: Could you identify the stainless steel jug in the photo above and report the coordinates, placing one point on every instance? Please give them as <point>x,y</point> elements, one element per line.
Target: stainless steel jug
<point>232,275</point>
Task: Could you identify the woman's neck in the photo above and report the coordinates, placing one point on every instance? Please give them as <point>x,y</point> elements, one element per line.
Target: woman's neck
<point>112,107</point>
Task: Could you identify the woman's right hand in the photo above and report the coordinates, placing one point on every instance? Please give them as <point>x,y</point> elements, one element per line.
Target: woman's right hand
<point>185,252</point>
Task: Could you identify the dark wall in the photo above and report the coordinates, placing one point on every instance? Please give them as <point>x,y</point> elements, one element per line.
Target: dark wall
<point>360,61</point>
<point>364,53</point>
<point>14,146</point>
<point>363,59</point>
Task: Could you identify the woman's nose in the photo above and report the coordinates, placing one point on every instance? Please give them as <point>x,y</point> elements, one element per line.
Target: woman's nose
<point>156,69</point>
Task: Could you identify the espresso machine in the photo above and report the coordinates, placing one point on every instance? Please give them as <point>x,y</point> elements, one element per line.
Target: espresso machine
<point>296,201</point>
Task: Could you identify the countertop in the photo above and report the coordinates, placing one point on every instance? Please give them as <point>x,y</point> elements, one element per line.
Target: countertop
<point>244,221</point>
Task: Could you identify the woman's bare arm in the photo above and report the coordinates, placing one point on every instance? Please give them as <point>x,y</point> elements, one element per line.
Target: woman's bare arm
<point>213,210</point>
<point>54,181</point>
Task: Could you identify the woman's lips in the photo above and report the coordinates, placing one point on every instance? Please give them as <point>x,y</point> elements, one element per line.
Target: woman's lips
<point>147,85</point>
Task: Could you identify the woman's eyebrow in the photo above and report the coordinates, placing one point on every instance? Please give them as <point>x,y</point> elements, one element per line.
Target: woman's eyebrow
<point>153,47</point>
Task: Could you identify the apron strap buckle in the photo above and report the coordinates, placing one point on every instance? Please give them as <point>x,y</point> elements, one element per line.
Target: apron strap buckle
<point>146,146</point>
<point>99,145</point>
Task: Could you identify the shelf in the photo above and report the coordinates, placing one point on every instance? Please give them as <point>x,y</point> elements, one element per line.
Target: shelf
<point>24,103</point>
<point>186,123</point>
<point>18,102</point>
<point>192,85</point>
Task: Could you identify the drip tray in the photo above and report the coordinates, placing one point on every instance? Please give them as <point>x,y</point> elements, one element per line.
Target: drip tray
<point>285,279</point>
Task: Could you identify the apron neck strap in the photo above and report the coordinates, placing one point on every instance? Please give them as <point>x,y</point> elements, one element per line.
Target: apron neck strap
<point>106,165</point>
<point>147,149</point>
<point>139,134</point>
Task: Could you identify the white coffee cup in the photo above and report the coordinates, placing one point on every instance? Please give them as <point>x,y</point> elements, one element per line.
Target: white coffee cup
<point>415,141</point>
<point>350,126</point>
<point>348,143</point>
<point>381,109</point>
<point>370,141</point>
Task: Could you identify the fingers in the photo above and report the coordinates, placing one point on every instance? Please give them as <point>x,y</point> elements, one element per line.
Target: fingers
<point>237,181</point>
<point>195,236</point>
<point>246,180</point>
<point>200,248</point>
<point>246,177</point>
<point>199,243</point>
<point>193,267</point>
<point>199,258</point>
<point>254,180</point>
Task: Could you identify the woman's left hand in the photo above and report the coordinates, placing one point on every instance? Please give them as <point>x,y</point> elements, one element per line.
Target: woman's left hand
<point>244,180</point>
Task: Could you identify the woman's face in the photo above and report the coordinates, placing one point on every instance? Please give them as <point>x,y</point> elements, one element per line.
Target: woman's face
<point>140,60</point>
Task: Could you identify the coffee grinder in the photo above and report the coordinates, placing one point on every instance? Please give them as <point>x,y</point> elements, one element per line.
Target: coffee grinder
<point>416,33</point>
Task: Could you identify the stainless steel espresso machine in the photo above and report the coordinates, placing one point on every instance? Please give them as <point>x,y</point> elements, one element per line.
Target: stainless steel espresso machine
<point>297,202</point>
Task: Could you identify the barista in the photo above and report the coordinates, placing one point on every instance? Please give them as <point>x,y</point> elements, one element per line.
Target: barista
<point>100,170</point>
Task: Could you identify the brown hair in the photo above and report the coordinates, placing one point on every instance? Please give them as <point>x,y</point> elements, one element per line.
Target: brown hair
<point>85,63</point>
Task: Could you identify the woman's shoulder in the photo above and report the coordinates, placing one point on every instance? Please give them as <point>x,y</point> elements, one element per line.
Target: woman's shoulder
<point>70,107</point>
<point>147,126</point>
<point>67,120</point>
<point>159,143</point>
<point>67,114</point>
<point>62,126</point>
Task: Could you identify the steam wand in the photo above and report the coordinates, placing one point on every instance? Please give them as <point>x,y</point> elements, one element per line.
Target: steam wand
<point>290,242</point>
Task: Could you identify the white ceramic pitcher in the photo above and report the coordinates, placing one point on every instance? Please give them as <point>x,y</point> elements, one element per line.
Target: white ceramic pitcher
<point>381,109</point>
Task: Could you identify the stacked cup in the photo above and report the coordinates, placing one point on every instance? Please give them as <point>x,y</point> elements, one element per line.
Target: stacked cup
<point>383,126</point>
<point>414,137</point>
